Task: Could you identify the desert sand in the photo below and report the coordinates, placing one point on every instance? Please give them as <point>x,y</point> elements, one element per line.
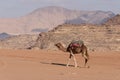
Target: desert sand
<point>50,65</point>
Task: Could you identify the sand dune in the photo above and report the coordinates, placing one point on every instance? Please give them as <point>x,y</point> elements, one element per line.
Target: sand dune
<point>50,65</point>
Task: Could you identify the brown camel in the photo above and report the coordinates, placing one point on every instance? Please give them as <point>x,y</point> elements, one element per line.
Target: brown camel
<point>75,48</point>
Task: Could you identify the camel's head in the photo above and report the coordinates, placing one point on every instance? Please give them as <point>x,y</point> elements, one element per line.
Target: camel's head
<point>58,45</point>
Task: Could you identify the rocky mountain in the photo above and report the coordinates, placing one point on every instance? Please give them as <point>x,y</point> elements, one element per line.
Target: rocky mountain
<point>95,37</point>
<point>4,35</point>
<point>114,20</point>
<point>19,41</point>
<point>44,19</point>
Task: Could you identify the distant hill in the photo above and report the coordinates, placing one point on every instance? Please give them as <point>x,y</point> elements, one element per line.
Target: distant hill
<point>44,19</point>
<point>114,20</point>
<point>4,35</point>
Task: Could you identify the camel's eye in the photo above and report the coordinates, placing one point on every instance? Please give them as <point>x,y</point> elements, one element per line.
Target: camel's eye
<point>58,46</point>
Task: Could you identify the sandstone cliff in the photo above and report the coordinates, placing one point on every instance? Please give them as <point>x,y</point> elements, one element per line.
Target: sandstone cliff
<point>95,37</point>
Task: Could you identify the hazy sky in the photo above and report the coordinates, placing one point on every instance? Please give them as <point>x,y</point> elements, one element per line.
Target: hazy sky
<point>16,8</point>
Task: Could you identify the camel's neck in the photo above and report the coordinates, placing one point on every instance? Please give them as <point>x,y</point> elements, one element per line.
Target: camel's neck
<point>62,48</point>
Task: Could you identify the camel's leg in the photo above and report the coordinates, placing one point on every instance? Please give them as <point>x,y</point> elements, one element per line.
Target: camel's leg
<point>86,58</point>
<point>72,55</point>
<point>69,60</point>
<point>75,62</point>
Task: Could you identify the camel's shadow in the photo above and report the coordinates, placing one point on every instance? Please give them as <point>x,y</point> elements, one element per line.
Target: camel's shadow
<point>61,64</point>
<point>57,64</point>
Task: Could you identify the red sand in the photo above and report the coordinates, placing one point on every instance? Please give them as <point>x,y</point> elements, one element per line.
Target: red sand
<point>50,65</point>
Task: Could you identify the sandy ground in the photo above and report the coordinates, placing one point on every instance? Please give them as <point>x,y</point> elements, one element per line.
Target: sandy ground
<point>50,65</point>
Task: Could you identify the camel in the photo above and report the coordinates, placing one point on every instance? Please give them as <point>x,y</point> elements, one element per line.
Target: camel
<point>75,47</point>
